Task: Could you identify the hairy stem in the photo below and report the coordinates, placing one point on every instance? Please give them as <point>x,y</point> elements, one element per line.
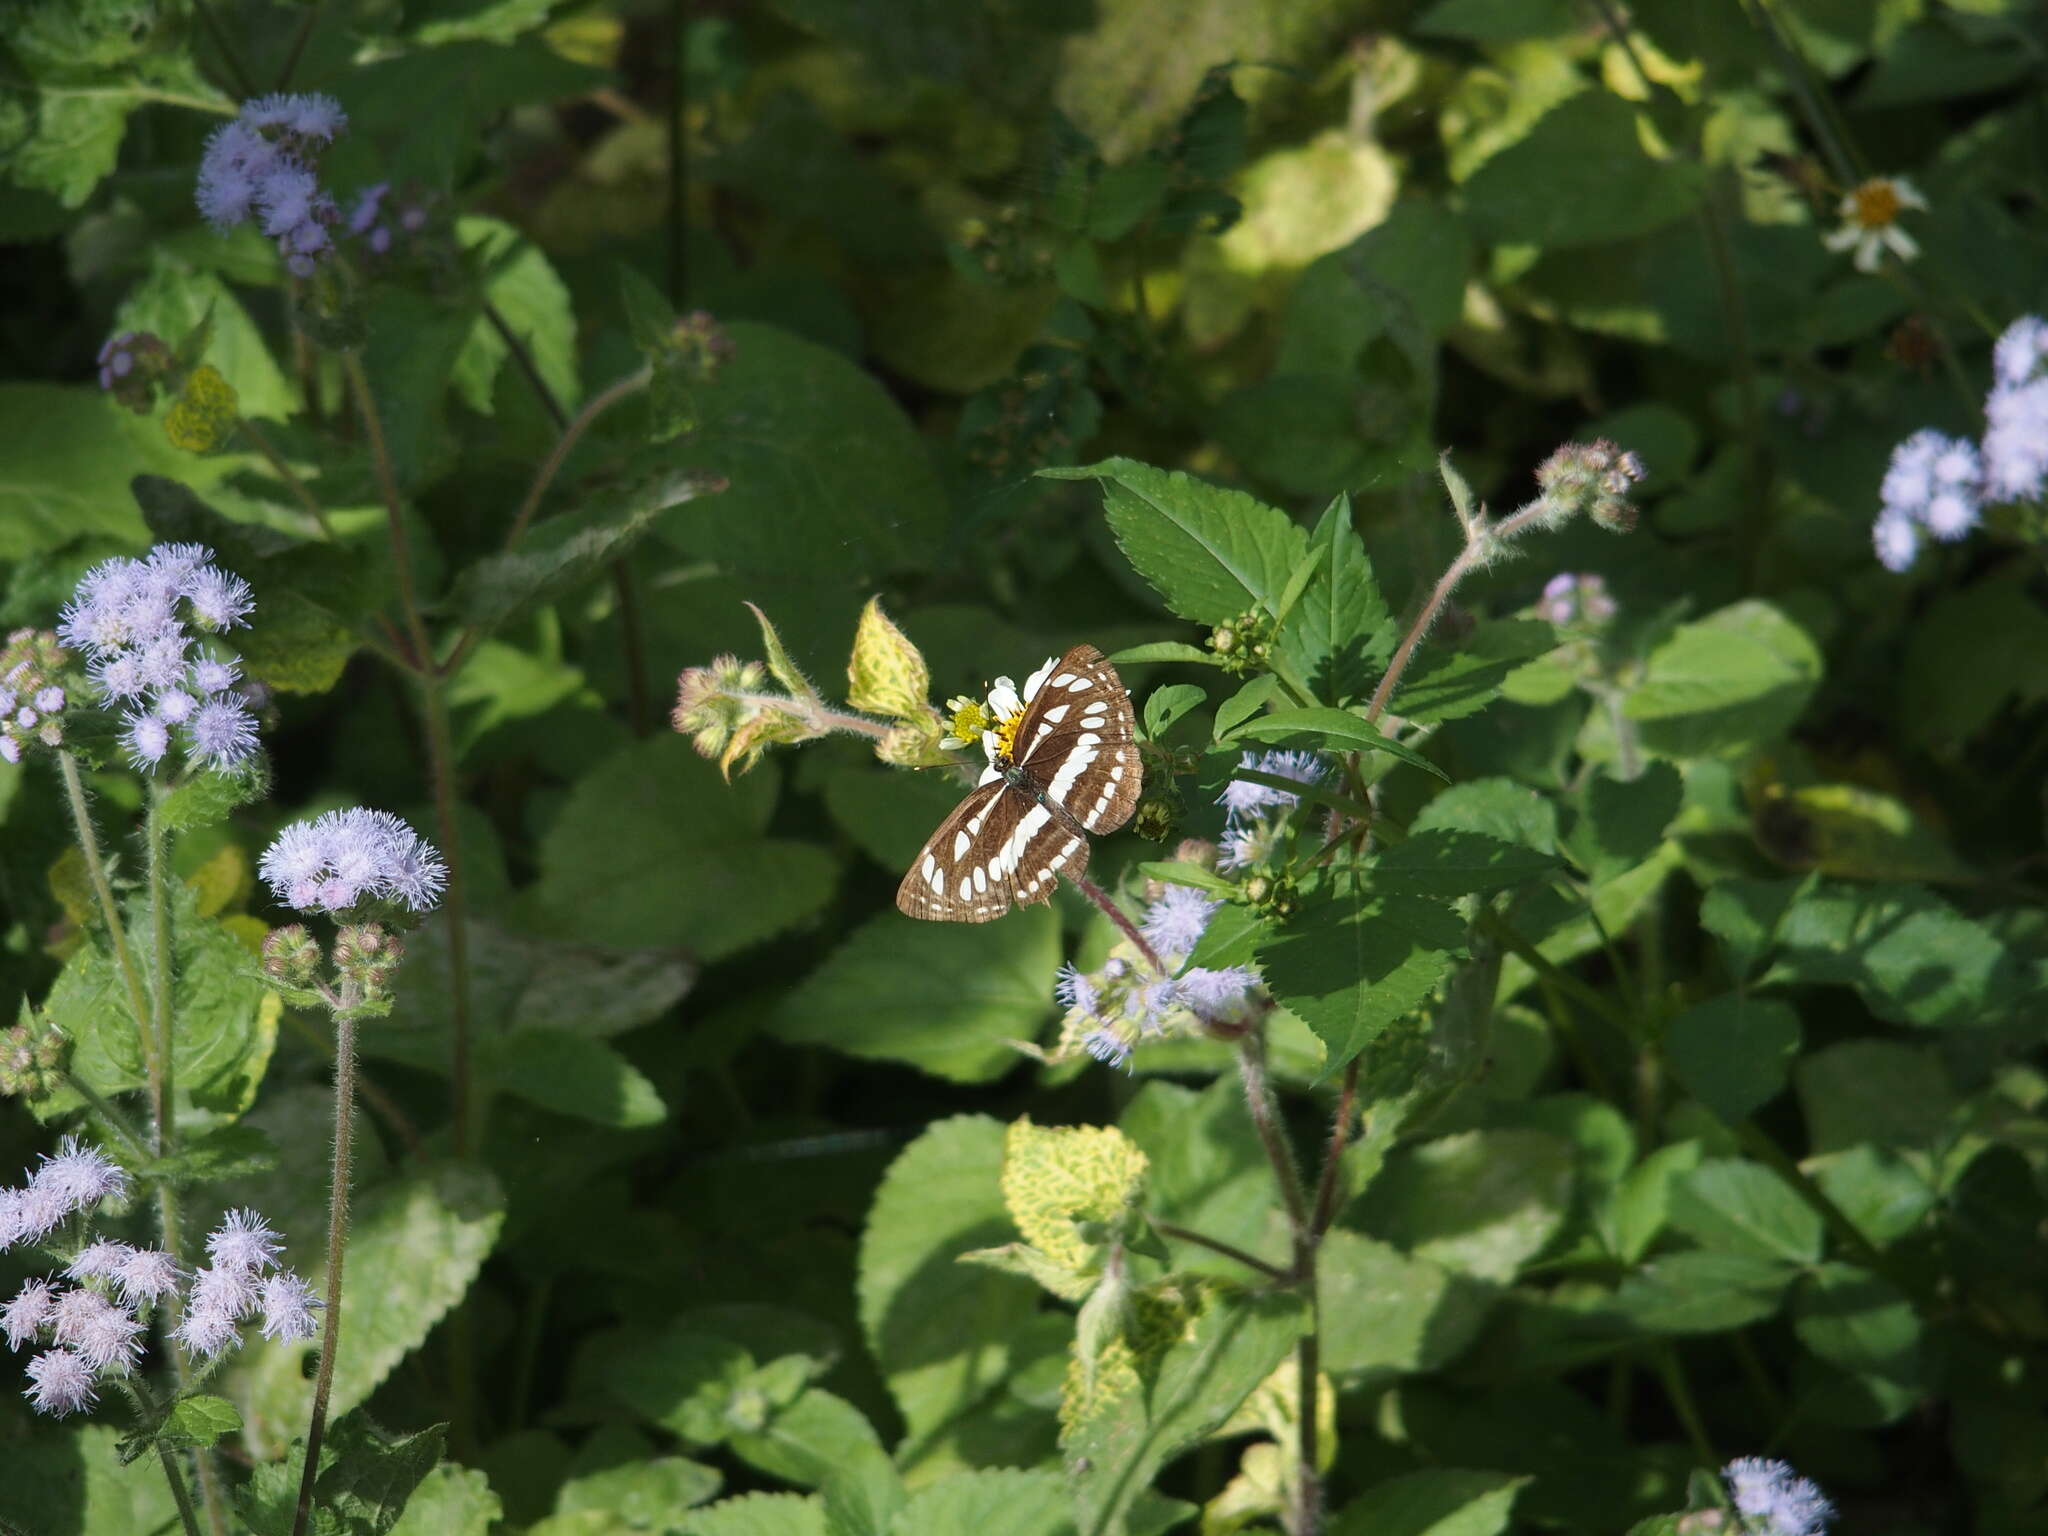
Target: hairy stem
<point>163,1113</point>
<point>283,471</point>
<point>1469,558</point>
<point>1115,914</point>
<point>394,508</point>
<point>140,1397</point>
<point>526,365</point>
<point>337,1245</point>
<point>454,904</point>
<point>1216,1245</point>
<point>1325,1210</point>
<point>593,408</point>
<point>110,912</point>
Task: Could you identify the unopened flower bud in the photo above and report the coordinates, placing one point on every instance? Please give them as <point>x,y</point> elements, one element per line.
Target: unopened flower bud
<point>290,955</point>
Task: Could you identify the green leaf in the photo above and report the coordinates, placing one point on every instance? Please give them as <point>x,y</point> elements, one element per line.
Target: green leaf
<point>1206,1172</point>
<point>945,997</point>
<point>1744,915</point>
<point>1733,1052</point>
<point>1621,821</point>
<point>1449,686</point>
<point>1858,1321</point>
<point>1498,21</point>
<point>567,549</point>
<point>1349,966</point>
<point>1967,653</point>
<point>365,1480</point>
<point>1482,1203</point>
<point>1339,635</point>
<point>226,1018</point>
<point>226,1152</point>
<point>863,1495</point>
<point>1339,730</point>
<point>1441,1501</point>
<point>1165,650</point>
<point>74,1481</point>
<point>1732,682</point>
<point>943,1333</point>
<point>572,1075</point>
<point>1881,1191</point>
<point>70,454</point>
<point>173,298</point>
<point>1701,1291</point>
<point>1882,1093</point>
<point>1005,1501</point>
<point>1911,956</point>
<point>1169,704</point>
<point>644,1494</point>
<point>1445,863</point>
<point>1404,278</point>
<point>531,299</point>
<point>196,1422</point>
<point>1505,809</point>
<point>826,473</point>
<point>1580,177</point>
<point>415,1245</point>
<point>653,848</point>
<point>450,1501</point>
<point>757,1514</point>
<point>1742,1207</point>
<point>805,1442</point>
<point>1386,1314</point>
<point>1229,1347</point>
<point>683,1378</point>
<point>409,348</point>
<point>1211,554</point>
<point>1642,1204</point>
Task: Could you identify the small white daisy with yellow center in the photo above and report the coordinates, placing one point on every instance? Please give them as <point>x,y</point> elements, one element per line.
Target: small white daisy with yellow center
<point>1870,221</point>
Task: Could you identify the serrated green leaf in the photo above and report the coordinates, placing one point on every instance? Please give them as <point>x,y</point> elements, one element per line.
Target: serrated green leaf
<point>1445,863</point>
<point>450,1501</point>
<point>415,1245</point>
<point>1480,1203</point>
<point>1701,1291</point>
<point>172,298</point>
<point>1733,1052</point>
<point>1440,1501</point>
<point>1742,1207</point>
<point>948,998</point>
<point>943,1333</point>
<point>995,1501</point>
<point>757,1514</point>
<point>571,1074</point>
<point>1580,177</point>
<point>654,849</point>
<point>643,1494</point>
<point>1167,705</point>
<point>1349,966</point>
<point>1734,681</point>
<point>1500,808</point>
<point>568,548</point>
<point>806,1440</point>
<point>1339,730</point>
<point>1450,685</point>
<point>1211,554</point>
<point>521,284</point>
<point>1339,635</point>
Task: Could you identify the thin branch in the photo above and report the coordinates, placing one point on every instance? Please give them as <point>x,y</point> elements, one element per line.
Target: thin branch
<point>283,471</point>
<point>110,912</point>
<point>527,366</point>
<point>593,408</point>
<point>337,1248</point>
<point>1251,1261</point>
<point>1325,1210</point>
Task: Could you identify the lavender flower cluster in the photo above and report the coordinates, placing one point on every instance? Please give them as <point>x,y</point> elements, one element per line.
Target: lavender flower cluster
<point>134,620</point>
<point>1569,597</point>
<point>260,166</point>
<point>344,857</point>
<point>1124,1001</point>
<point>94,1328</point>
<point>1253,813</point>
<point>1775,1501</point>
<point>1937,485</point>
<point>32,696</point>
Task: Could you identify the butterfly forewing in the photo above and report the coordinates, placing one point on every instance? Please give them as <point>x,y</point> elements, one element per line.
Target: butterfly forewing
<point>1076,767</point>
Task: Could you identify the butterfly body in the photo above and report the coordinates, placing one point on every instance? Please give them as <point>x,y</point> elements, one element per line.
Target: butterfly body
<point>1062,766</point>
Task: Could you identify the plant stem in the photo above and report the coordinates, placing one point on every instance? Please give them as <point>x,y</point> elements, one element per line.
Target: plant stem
<point>380,1103</point>
<point>337,1245</point>
<point>524,360</point>
<point>110,911</point>
<point>1216,1245</point>
<point>1325,1209</point>
<point>116,1121</point>
<point>454,903</point>
<point>164,1128</point>
<point>594,407</point>
<point>1688,1412</point>
<point>237,75</point>
<point>1468,559</point>
<point>298,48</point>
<point>145,1414</point>
<point>394,509</point>
<point>1115,914</point>
<point>283,471</point>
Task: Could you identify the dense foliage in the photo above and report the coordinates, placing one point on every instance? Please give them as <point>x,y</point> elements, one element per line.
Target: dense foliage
<point>1556,1048</point>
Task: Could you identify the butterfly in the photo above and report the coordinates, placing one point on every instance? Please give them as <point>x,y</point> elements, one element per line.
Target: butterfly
<point>1063,763</point>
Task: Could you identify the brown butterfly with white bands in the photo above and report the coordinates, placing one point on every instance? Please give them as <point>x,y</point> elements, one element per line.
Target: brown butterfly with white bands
<point>1062,765</point>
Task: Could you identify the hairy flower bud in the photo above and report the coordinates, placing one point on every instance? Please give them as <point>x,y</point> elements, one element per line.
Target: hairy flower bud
<point>32,1059</point>
<point>291,956</point>
<point>1594,478</point>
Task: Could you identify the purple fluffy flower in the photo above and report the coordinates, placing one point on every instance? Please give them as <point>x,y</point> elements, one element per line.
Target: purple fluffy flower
<point>1074,989</point>
<point>1107,1045</point>
<point>223,733</point>
<point>2016,441</point>
<point>1241,798</point>
<point>344,857</point>
<point>1174,923</point>
<point>288,1304</point>
<point>243,1240</point>
<point>78,1176</point>
<point>147,1274</point>
<point>1776,1501</point>
<point>28,1315</point>
<point>61,1382</point>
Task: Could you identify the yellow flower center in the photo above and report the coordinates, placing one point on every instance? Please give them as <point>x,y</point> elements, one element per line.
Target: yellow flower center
<point>1877,203</point>
<point>970,719</point>
<point>1006,733</point>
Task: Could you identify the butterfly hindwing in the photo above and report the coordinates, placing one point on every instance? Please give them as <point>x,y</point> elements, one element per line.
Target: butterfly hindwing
<point>996,849</point>
<point>1076,750</point>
